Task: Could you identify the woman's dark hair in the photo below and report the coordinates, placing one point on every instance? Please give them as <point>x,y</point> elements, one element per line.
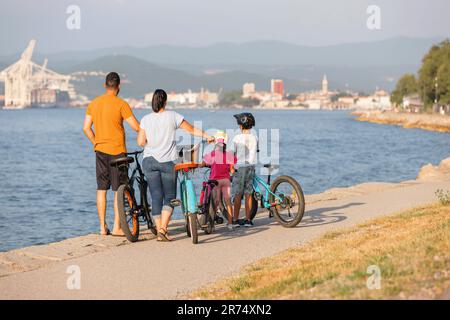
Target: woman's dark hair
<point>159,100</point>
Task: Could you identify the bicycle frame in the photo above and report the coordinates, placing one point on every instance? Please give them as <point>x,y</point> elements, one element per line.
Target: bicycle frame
<point>138,175</point>
<point>187,192</point>
<point>257,181</point>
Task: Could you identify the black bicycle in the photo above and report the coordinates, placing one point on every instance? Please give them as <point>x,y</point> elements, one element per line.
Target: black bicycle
<point>132,213</point>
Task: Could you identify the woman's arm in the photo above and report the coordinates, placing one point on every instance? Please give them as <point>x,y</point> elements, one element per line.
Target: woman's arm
<point>186,126</point>
<point>141,138</point>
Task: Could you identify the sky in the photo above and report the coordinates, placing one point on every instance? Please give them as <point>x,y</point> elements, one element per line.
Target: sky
<point>141,23</point>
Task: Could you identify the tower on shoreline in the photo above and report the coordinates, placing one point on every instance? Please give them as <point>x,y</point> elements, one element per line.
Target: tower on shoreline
<point>325,85</point>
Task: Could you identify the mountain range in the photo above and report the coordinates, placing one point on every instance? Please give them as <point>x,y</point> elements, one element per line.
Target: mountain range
<point>358,66</point>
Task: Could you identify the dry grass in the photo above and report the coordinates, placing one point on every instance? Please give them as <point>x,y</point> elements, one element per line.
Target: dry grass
<point>412,250</point>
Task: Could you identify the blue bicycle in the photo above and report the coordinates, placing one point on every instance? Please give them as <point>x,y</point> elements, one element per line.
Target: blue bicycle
<point>283,198</point>
<point>195,216</point>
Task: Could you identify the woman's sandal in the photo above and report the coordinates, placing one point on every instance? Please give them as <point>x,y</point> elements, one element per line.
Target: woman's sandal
<point>163,236</point>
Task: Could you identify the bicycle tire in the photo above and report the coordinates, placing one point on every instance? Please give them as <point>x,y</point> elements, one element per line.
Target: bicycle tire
<point>223,210</point>
<point>301,201</point>
<point>125,198</point>
<point>148,211</point>
<point>188,229</point>
<point>192,218</point>
<point>210,217</point>
<point>254,208</point>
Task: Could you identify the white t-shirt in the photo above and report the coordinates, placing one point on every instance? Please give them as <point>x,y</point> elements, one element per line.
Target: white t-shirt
<point>160,131</point>
<point>245,147</point>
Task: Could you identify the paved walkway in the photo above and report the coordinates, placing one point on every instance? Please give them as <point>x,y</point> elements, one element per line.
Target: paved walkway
<point>151,270</point>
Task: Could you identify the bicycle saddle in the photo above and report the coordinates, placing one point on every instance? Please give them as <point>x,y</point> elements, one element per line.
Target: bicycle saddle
<point>186,166</point>
<point>271,166</point>
<point>213,182</point>
<point>121,161</point>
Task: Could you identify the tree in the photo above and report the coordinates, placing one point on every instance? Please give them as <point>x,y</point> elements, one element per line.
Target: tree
<point>406,85</point>
<point>235,98</point>
<point>443,75</point>
<point>435,70</point>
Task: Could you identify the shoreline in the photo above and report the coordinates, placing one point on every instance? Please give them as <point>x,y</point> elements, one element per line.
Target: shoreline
<point>429,122</point>
<point>40,256</point>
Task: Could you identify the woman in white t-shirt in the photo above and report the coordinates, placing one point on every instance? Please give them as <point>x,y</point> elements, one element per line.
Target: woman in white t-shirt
<point>157,136</point>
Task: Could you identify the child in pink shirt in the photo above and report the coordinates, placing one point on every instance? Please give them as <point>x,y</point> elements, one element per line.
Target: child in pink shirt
<point>222,163</point>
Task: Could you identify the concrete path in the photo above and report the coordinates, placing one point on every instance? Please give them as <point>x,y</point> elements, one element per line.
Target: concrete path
<point>151,270</point>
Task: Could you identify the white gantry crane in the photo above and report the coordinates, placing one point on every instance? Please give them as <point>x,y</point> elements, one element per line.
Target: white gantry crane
<point>24,79</point>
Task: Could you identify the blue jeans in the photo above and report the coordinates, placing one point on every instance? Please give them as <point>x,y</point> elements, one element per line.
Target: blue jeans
<point>162,183</point>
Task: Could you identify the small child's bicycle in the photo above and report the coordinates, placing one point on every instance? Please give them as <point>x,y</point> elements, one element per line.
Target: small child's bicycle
<point>196,216</point>
<point>283,198</point>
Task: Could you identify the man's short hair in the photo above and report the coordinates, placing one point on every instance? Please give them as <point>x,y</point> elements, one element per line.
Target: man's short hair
<point>112,80</point>
<point>159,100</point>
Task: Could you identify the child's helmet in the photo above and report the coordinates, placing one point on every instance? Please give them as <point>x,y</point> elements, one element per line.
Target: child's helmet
<point>221,137</point>
<point>245,119</point>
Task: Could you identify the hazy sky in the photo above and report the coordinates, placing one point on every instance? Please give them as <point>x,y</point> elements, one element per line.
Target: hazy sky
<point>107,23</point>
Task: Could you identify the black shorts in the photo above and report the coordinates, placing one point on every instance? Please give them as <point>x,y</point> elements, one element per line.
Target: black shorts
<point>108,176</point>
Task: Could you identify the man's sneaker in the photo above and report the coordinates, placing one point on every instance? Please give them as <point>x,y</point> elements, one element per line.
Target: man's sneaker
<point>230,227</point>
<point>248,223</point>
<point>236,224</point>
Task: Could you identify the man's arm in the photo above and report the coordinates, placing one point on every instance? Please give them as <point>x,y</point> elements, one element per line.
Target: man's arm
<point>134,124</point>
<point>87,129</point>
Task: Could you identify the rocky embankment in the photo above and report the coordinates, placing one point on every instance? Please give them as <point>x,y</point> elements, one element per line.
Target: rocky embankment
<point>435,173</point>
<point>431,122</point>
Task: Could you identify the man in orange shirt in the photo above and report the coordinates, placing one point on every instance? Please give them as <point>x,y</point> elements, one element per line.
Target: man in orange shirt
<point>107,113</point>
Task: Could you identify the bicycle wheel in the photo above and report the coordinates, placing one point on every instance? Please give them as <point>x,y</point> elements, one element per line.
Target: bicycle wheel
<point>254,208</point>
<point>129,217</point>
<point>209,216</point>
<point>192,227</point>
<point>188,227</point>
<point>223,210</point>
<point>290,209</point>
<point>146,212</point>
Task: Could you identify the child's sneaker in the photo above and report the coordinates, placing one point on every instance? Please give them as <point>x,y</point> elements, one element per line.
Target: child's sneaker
<point>236,224</point>
<point>248,223</point>
<point>230,227</point>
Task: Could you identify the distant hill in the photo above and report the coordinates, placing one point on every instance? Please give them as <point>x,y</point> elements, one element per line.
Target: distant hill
<point>395,51</point>
<point>357,66</point>
<point>141,77</point>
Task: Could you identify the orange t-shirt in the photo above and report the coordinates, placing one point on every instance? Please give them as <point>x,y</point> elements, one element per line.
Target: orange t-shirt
<point>108,112</point>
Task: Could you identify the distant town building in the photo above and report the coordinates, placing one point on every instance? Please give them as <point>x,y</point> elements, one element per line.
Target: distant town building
<point>412,103</point>
<point>277,87</point>
<point>378,100</point>
<point>248,89</point>
<point>207,98</point>
<point>325,85</point>
<point>148,98</point>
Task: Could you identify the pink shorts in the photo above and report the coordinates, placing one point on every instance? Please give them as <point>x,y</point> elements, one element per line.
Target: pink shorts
<point>222,190</point>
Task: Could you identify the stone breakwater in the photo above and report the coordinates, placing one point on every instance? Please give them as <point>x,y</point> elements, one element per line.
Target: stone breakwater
<point>431,122</point>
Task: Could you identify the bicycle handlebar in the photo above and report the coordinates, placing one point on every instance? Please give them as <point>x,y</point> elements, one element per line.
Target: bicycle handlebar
<point>135,153</point>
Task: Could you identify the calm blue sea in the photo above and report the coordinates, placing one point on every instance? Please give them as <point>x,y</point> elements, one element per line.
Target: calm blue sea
<point>47,167</point>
